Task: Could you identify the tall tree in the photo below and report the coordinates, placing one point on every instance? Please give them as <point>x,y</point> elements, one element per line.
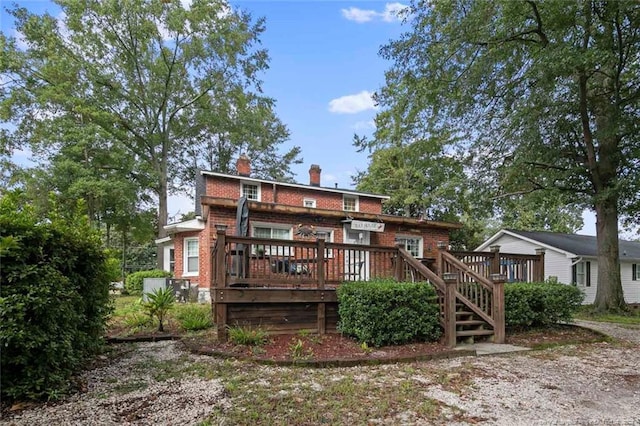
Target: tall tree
<point>153,75</point>
<point>548,92</point>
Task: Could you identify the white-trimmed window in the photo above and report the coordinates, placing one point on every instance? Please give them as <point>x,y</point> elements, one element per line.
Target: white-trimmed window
<point>635,272</point>
<point>581,274</point>
<point>191,251</point>
<point>412,243</point>
<point>172,260</point>
<point>350,203</point>
<point>277,231</point>
<point>327,235</point>
<point>309,203</point>
<point>250,190</point>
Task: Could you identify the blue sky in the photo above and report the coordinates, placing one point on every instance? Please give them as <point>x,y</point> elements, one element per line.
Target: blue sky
<point>324,65</point>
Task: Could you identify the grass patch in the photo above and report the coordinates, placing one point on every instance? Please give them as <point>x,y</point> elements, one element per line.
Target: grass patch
<point>247,336</point>
<point>630,318</point>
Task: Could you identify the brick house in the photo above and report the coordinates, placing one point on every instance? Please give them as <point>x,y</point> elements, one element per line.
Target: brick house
<point>289,211</point>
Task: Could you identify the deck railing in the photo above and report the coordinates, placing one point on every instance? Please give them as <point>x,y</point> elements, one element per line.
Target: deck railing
<point>267,280</point>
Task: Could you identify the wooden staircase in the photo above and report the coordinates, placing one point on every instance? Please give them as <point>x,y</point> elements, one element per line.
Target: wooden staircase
<point>471,306</point>
<point>469,327</point>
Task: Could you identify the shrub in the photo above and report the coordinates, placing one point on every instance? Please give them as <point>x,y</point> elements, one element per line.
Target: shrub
<point>194,317</point>
<point>247,336</point>
<point>134,282</point>
<point>540,304</point>
<point>160,302</point>
<point>54,299</point>
<point>386,312</point>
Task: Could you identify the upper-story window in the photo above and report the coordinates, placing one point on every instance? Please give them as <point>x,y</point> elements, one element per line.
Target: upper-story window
<point>250,190</point>
<point>412,244</point>
<point>350,203</point>
<point>309,203</point>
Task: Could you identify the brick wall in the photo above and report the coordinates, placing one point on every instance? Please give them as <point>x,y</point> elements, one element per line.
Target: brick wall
<point>230,188</point>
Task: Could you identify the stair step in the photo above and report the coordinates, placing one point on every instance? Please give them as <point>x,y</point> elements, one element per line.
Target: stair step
<point>461,333</point>
<point>464,313</point>
<point>470,322</point>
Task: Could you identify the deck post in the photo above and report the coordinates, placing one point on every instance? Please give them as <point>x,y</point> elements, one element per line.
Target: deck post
<point>442,246</point>
<point>398,267</point>
<point>497,307</point>
<point>451,285</point>
<point>539,270</point>
<point>322,325</point>
<point>220,282</point>
<point>495,260</point>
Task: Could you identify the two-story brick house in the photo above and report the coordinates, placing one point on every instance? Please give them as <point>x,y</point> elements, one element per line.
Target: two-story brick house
<point>284,210</point>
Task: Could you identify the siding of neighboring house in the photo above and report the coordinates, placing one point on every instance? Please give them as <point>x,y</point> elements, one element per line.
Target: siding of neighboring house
<point>631,288</point>
<point>559,264</point>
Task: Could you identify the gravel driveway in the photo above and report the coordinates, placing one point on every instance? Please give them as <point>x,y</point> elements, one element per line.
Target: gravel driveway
<point>160,384</point>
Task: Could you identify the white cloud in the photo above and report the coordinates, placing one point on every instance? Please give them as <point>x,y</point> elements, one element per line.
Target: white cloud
<point>392,12</point>
<point>352,104</point>
<point>359,15</point>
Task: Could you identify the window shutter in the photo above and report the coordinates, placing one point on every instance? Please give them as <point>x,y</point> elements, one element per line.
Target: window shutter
<point>574,274</point>
<point>634,272</point>
<point>588,273</point>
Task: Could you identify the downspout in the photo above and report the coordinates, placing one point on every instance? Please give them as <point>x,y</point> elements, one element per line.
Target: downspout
<point>275,193</point>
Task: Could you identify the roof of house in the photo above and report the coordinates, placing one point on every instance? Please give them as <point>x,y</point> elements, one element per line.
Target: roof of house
<point>579,245</point>
<point>296,185</point>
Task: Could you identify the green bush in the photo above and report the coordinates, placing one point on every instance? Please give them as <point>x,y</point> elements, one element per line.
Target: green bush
<point>385,312</point>
<point>194,317</point>
<point>134,282</point>
<point>540,304</point>
<point>248,336</point>
<point>54,299</point>
<point>160,302</point>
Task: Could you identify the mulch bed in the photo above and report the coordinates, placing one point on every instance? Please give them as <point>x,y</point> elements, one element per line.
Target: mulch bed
<point>337,350</point>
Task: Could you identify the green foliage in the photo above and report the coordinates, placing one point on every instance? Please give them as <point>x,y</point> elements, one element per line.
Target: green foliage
<point>160,302</point>
<point>54,298</point>
<point>134,282</point>
<point>135,99</point>
<point>249,336</point>
<point>544,99</point>
<point>193,317</point>
<point>540,304</point>
<point>385,312</point>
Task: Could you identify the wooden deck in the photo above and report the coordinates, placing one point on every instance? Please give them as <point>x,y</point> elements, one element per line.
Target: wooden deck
<point>286,286</point>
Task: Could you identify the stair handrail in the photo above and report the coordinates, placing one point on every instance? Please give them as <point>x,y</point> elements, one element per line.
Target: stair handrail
<point>431,276</point>
<point>460,265</point>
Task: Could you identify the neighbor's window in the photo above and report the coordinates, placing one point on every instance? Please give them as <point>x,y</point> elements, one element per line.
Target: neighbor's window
<point>635,272</point>
<point>411,243</point>
<point>581,272</point>
<point>190,256</point>
<point>310,203</point>
<point>251,191</point>
<point>350,203</point>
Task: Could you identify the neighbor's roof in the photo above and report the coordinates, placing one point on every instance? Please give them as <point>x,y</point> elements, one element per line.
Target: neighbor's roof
<point>297,185</point>
<point>579,245</point>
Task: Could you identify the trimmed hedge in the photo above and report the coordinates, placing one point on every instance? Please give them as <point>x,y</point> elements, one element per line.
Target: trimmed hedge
<point>54,299</point>
<point>540,304</point>
<point>386,312</point>
<point>134,282</point>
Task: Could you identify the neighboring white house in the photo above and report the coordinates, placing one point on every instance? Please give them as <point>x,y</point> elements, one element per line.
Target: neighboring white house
<point>572,258</point>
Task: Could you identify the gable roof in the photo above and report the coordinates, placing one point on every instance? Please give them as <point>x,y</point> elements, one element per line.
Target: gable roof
<point>571,244</point>
<point>296,185</point>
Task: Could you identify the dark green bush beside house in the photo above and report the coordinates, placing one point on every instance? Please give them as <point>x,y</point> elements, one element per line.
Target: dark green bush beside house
<point>54,299</point>
<point>386,312</point>
<point>540,304</point>
<point>135,281</point>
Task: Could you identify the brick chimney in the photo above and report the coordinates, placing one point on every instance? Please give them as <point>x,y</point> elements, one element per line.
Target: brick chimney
<point>314,175</point>
<point>243,166</point>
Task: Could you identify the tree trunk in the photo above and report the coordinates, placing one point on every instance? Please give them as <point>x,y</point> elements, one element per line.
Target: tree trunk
<point>163,214</point>
<point>609,294</point>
